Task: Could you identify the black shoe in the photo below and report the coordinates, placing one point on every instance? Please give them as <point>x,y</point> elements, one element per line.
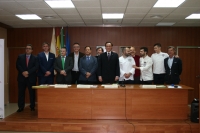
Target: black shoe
<point>20,110</point>
<point>32,109</point>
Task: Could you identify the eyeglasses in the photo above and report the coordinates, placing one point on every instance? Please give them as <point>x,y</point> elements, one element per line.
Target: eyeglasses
<point>28,48</point>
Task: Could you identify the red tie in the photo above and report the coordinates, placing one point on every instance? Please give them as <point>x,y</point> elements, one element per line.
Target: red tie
<point>27,60</point>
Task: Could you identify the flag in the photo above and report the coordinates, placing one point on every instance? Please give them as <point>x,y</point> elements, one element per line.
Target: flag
<point>61,38</point>
<point>57,41</point>
<point>53,42</point>
<point>67,42</point>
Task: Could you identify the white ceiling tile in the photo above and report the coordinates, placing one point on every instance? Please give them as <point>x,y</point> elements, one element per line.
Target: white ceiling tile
<point>33,4</point>
<point>171,20</point>
<point>129,24</point>
<point>112,21</point>
<point>138,10</point>
<point>186,10</point>
<point>190,21</point>
<point>161,10</point>
<point>115,3</point>
<point>150,20</point>
<point>4,13</point>
<point>177,16</point>
<point>134,15</point>
<point>89,10</point>
<point>20,11</point>
<point>131,20</point>
<point>64,16</point>
<point>93,20</point>
<point>141,3</point>
<point>148,16</point>
<point>42,25</point>
<point>42,11</point>
<point>73,20</point>
<point>113,10</point>
<point>147,24</point>
<point>36,21</point>
<point>91,16</point>
<point>8,18</point>
<point>10,5</point>
<point>86,3</point>
<point>69,11</point>
<point>61,22</point>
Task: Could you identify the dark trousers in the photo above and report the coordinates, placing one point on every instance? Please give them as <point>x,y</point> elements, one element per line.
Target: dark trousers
<point>105,81</point>
<point>170,81</point>
<point>45,80</point>
<point>87,82</point>
<point>146,82</point>
<point>75,77</point>
<point>136,80</point>
<point>21,93</point>
<point>126,82</point>
<point>159,79</point>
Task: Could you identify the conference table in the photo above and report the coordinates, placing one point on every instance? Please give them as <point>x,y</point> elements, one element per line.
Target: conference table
<point>100,102</point>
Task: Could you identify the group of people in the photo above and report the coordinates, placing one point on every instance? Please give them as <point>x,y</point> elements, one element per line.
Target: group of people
<point>106,67</point>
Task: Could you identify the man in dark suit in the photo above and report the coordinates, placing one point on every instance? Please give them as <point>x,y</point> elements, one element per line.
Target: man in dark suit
<point>27,65</point>
<point>76,55</point>
<point>88,66</point>
<point>46,66</point>
<point>173,67</point>
<point>63,66</point>
<point>108,65</point>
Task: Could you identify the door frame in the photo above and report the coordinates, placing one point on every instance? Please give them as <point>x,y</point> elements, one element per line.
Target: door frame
<point>186,47</point>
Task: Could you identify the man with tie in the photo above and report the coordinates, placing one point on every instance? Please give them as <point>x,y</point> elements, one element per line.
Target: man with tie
<point>27,65</point>
<point>87,67</point>
<point>76,55</point>
<point>46,66</point>
<point>173,67</point>
<point>63,65</point>
<point>108,65</point>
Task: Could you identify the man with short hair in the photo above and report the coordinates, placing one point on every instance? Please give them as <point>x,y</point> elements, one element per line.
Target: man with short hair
<point>108,65</point>
<point>126,63</point>
<point>173,67</point>
<point>158,64</point>
<point>27,65</point>
<point>136,58</point>
<point>76,55</point>
<point>146,63</point>
<point>88,66</point>
<point>63,66</point>
<point>46,65</point>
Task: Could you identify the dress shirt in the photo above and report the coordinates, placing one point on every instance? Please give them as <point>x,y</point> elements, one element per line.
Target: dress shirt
<point>75,62</point>
<point>126,66</point>
<point>88,57</point>
<point>158,62</point>
<point>47,55</point>
<point>170,61</point>
<point>63,58</point>
<point>146,68</point>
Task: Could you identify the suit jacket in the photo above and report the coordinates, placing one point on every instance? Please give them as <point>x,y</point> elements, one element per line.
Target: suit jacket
<point>88,66</point>
<point>176,69</point>
<point>45,65</point>
<point>32,68</point>
<point>67,67</point>
<point>108,69</point>
<point>79,57</point>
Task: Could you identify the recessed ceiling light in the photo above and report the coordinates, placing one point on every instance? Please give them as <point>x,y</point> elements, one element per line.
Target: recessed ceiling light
<point>60,3</point>
<point>28,16</point>
<point>168,3</point>
<point>165,24</point>
<point>112,15</point>
<point>156,16</point>
<point>193,16</point>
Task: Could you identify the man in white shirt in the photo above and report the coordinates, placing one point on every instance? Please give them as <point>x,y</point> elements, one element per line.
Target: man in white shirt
<point>127,71</point>
<point>76,55</point>
<point>146,63</point>
<point>158,64</point>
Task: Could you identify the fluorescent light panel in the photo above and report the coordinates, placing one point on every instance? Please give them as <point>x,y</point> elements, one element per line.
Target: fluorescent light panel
<point>60,3</point>
<point>112,15</point>
<point>28,16</point>
<point>165,24</point>
<point>168,3</point>
<point>193,16</point>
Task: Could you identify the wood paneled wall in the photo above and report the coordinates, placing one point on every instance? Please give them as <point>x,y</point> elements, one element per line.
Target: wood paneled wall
<point>97,36</point>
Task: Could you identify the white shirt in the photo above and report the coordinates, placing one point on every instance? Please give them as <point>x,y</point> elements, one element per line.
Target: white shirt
<point>170,61</point>
<point>126,66</point>
<point>158,62</point>
<point>146,68</point>
<point>75,62</point>
<point>47,55</point>
<point>63,58</point>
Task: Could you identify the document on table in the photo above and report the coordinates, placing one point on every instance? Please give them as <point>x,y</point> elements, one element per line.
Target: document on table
<point>178,86</point>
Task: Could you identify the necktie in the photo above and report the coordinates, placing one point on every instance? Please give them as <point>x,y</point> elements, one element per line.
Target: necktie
<point>27,60</point>
<point>63,62</point>
<point>108,56</point>
<point>87,58</point>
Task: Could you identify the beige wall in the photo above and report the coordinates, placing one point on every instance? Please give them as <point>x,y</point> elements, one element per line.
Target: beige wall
<point>3,35</point>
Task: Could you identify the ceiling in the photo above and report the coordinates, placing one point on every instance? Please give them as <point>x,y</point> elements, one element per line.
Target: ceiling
<point>89,13</point>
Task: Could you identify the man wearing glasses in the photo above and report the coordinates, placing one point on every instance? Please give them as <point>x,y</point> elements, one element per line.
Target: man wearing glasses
<point>76,55</point>
<point>27,65</point>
